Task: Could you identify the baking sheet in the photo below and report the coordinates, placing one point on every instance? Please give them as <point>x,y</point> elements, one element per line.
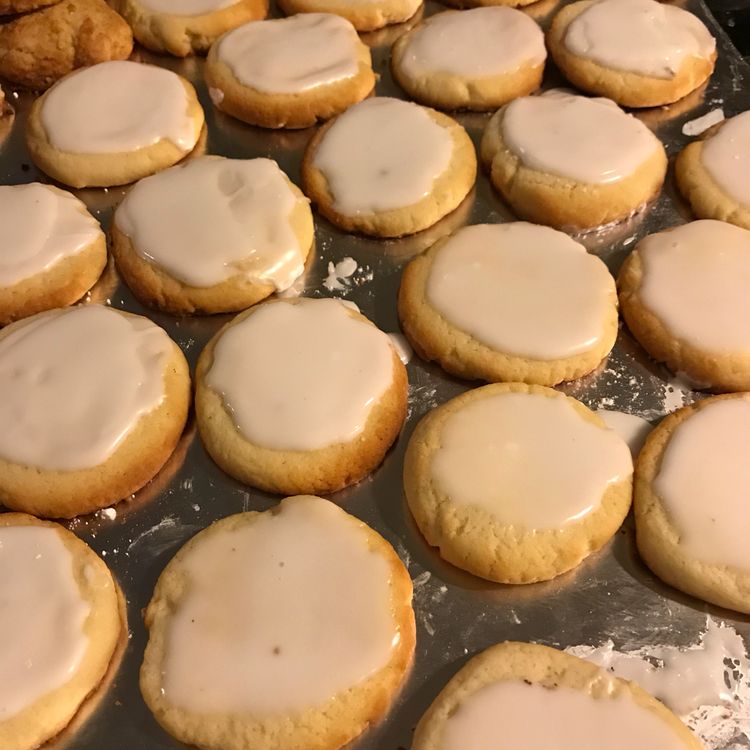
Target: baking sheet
<point>611,595</point>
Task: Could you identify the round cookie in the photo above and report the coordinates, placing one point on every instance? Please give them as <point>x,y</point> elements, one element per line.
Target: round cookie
<point>113,123</point>
<point>535,697</point>
<point>690,500</point>
<point>94,402</point>
<point>514,302</point>
<point>683,294</point>
<point>249,616</point>
<point>639,53</point>
<point>212,235</point>
<point>182,27</point>
<point>54,250</point>
<point>572,162</point>
<point>516,483</point>
<point>300,395</point>
<point>289,72</point>
<point>477,59</point>
<point>714,173</point>
<point>62,615</point>
<point>388,168</point>
<point>364,15</point>
<point>40,48</point>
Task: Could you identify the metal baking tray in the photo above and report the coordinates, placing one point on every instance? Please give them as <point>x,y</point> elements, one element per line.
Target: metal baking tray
<point>611,595</point>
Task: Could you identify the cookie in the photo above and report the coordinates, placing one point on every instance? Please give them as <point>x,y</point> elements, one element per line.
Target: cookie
<point>182,27</point>
<point>40,48</point>
<point>54,250</point>
<point>714,173</point>
<point>113,123</point>
<point>683,294</point>
<point>513,302</point>
<point>94,402</point>
<point>60,611</point>
<point>571,162</point>
<point>290,72</point>
<point>300,395</point>
<point>212,235</point>
<point>690,507</point>
<point>477,59</point>
<point>248,617</point>
<point>639,53</point>
<point>12,7</point>
<point>516,483</point>
<point>388,167</point>
<point>364,15</point>
<point>535,697</point>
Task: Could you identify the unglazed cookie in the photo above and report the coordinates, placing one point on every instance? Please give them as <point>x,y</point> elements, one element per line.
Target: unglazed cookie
<point>523,695</point>
<point>516,483</point>
<point>364,15</point>
<point>94,402</point>
<point>684,296</point>
<point>300,395</point>
<point>514,302</point>
<point>60,621</point>
<point>113,123</point>
<point>691,510</point>
<point>53,250</point>
<point>640,53</point>
<point>388,167</point>
<point>289,72</point>
<point>11,7</point>
<point>476,59</point>
<point>714,173</point>
<point>572,162</point>
<point>212,235</point>
<point>248,618</point>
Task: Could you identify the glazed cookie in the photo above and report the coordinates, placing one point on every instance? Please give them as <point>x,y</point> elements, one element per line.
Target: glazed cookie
<point>212,235</point>
<point>60,621</point>
<point>514,302</point>
<point>535,697</point>
<point>39,48</point>
<point>364,15</point>
<point>182,27</point>
<point>300,395</point>
<point>113,123</point>
<point>640,53</point>
<point>476,59</point>
<point>289,72</point>
<point>251,613</point>
<point>516,483</point>
<point>94,402</point>
<point>691,511</point>
<point>572,162</point>
<point>714,173</point>
<point>388,167</point>
<point>684,296</point>
<point>53,250</point>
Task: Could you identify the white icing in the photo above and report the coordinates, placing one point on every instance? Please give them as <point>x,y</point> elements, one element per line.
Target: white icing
<point>632,429</point>
<point>402,347</point>
<point>382,154</point>
<point>41,225</point>
<point>695,280</point>
<point>522,289</point>
<point>529,460</point>
<point>704,122</point>
<point>212,219</point>
<point>118,107</point>
<point>42,615</point>
<point>586,140</point>
<point>703,480</point>
<point>476,43</point>
<point>301,376</point>
<point>270,607</point>
<point>639,36</point>
<point>726,157</point>
<point>291,55</point>
<point>186,7</point>
<point>74,384</point>
<point>339,274</point>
